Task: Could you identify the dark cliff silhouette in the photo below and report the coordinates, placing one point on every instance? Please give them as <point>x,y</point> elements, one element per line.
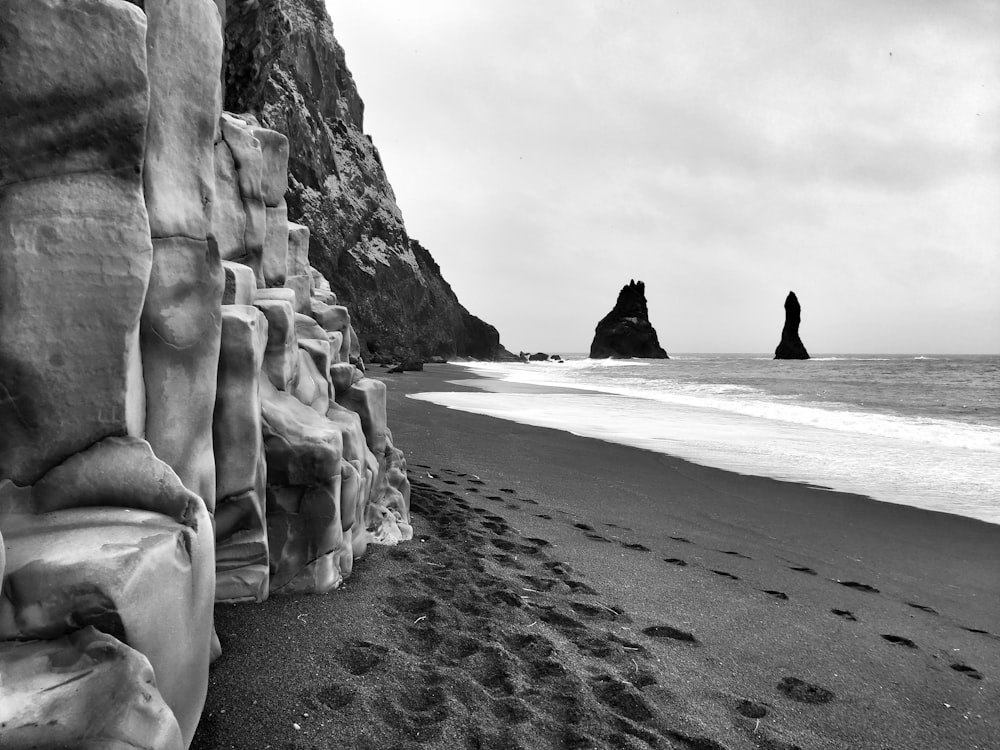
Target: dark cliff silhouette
<point>791,346</point>
<point>626,331</point>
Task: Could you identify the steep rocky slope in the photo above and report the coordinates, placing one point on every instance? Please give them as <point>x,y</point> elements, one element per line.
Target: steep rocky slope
<point>284,65</point>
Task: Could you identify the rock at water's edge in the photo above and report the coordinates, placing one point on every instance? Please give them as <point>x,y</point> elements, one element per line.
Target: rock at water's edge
<point>626,331</point>
<point>791,346</point>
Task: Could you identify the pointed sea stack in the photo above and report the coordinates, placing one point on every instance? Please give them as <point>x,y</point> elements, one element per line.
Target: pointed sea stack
<point>626,331</point>
<point>791,346</point>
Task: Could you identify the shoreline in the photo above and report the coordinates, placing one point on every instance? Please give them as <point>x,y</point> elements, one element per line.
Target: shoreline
<point>565,591</point>
<point>475,380</point>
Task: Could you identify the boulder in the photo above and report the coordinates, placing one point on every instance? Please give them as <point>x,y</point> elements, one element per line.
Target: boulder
<point>407,365</point>
<point>791,346</point>
<point>85,689</point>
<point>626,331</point>
<point>137,575</point>
<point>75,252</point>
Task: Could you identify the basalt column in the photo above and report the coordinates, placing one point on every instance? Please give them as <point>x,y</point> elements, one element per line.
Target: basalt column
<point>181,321</point>
<point>74,237</point>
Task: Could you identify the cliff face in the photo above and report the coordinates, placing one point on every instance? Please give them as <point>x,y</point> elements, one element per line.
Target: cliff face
<point>791,346</point>
<point>626,331</point>
<point>284,65</point>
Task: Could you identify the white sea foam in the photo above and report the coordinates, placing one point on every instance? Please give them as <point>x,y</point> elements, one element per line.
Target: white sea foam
<point>938,464</point>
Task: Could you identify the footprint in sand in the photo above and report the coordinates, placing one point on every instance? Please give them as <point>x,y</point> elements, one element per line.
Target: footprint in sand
<point>635,546</point>
<point>361,657</point>
<point>804,692</point>
<point>751,710</point>
<point>579,587</point>
<point>543,515</point>
<point>508,490</point>
<point>967,670</point>
<point>583,527</point>
<point>922,607</point>
<point>899,640</point>
<point>845,613</point>
<point>596,537</point>
<point>600,611</point>
<point>858,586</point>
<point>734,553</point>
<point>802,569</point>
<point>675,561</point>
<point>511,710</point>
<point>336,696</point>
<point>724,574</point>
<point>538,541</point>
<point>668,631</point>
<point>975,630</point>
<point>621,698</point>
<point>681,539</point>
<point>476,481</point>
<point>776,594</point>
<point>557,619</point>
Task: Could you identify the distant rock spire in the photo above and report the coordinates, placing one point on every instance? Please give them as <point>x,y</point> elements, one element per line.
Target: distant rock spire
<point>626,331</point>
<point>791,346</point>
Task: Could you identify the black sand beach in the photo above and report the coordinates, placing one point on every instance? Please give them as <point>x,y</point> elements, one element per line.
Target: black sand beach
<point>566,592</point>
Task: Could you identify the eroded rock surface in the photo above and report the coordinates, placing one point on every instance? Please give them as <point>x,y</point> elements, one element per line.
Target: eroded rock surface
<point>626,331</point>
<point>75,250</point>
<point>285,66</point>
<point>186,417</point>
<point>791,346</point>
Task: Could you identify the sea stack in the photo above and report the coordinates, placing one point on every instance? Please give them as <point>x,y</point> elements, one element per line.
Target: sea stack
<point>626,331</point>
<point>791,346</point>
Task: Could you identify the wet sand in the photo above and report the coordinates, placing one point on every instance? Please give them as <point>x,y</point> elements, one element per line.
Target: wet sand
<point>566,592</point>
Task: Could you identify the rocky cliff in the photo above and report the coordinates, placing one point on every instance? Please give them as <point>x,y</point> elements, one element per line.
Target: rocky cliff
<point>626,331</point>
<point>184,418</point>
<point>791,346</point>
<point>284,65</point>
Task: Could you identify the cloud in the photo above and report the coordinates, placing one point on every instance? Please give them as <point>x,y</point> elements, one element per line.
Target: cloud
<point>547,152</point>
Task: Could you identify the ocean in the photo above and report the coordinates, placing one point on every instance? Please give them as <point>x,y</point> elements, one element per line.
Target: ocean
<point>914,430</point>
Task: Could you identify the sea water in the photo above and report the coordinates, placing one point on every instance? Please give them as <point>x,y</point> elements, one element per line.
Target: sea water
<point>914,430</point>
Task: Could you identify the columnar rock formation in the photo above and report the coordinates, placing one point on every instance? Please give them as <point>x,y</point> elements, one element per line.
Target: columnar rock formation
<point>626,331</point>
<point>284,63</point>
<point>185,417</point>
<point>791,346</point>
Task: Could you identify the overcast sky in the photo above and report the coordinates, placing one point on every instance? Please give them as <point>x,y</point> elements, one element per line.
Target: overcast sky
<point>547,151</point>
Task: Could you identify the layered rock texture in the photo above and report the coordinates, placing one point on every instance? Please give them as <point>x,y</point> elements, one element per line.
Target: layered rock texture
<point>626,331</point>
<point>283,64</point>
<point>185,416</point>
<point>791,346</point>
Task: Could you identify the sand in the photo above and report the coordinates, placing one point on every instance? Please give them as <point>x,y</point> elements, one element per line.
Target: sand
<point>566,592</point>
